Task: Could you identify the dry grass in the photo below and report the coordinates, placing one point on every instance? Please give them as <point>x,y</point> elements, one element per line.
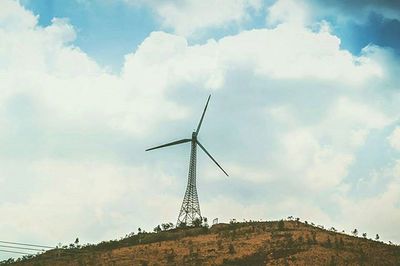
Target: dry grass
<point>257,243</point>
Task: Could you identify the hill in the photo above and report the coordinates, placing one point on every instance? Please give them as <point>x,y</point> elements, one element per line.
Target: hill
<point>250,243</point>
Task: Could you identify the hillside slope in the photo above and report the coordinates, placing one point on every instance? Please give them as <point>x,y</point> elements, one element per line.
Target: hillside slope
<point>252,243</point>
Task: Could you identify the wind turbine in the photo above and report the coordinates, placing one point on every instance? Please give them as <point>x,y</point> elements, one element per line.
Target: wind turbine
<point>190,210</point>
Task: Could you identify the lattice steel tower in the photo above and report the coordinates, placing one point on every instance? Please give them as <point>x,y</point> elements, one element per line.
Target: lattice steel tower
<point>190,209</point>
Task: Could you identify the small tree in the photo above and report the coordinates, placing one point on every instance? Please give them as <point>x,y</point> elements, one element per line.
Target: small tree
<point>76,241</point>
<point>182,225</point>
<point>139,230</point>
<point>197,222</point>
<point>355,232</point>
<point>377,237</point>
<point>205,222</point>
<point>165,226</point>
<point>364,235</point>
<point>157,229</point>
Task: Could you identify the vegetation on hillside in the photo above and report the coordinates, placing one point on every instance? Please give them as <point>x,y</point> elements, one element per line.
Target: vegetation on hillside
<point>248,243</point>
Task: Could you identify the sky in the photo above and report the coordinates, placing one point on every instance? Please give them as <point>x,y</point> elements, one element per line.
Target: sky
<point>304,114</point>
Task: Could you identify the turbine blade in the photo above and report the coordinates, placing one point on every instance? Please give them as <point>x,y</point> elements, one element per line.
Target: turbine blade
<point>202,116</point>
<point>170,144</point>
<point>204,149</point>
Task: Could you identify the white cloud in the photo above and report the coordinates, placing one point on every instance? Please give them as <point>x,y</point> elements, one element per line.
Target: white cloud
<point>289,52</point>
<point>394,139</point>
<point>348,123</point>
<point>320,167</point>
<point>188,17</point>
<point>13,17</point>
<point>377,214</point>
<point>321,153</point>
<point>293,12</point>
<point>75,196</point>
<point>40,63</point>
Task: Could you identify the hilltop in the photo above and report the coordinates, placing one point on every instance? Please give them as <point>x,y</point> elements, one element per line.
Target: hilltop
<point>249,243</point>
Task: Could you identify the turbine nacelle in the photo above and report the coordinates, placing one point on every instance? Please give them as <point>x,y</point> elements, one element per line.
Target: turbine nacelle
<point>194,135</point>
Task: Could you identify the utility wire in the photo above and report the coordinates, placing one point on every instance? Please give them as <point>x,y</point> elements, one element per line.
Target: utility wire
<point>10,251</point>
<point>61,251</point>
<point>23,244</point>
<point>60,254</point>
<point>34,249</point>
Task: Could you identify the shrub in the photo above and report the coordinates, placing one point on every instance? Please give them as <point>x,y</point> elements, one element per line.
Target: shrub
<point>328,243</point>
<point>314,238</point>
<point>332,261</point>
<point>197,222</point>
<point>219,244</point>
<point>341,243</point>
<point>231,249</point>
<point>281,225</point>
<point>167,226</point>
<point>182,225</point>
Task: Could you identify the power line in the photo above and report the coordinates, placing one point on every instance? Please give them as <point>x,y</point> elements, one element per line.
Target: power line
<point>17,252</point>
<point>61,252</point>
<point>34,249</point>
<point>23,244</point>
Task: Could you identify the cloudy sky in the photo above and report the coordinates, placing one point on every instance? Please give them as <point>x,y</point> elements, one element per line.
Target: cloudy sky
<point>304,114</point>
